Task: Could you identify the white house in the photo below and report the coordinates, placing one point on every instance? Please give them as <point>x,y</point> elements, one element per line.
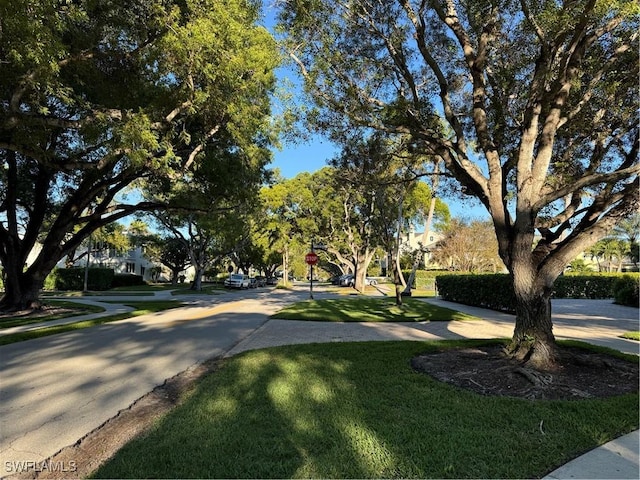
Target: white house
<point>132,261</point>
<point>415,240</point>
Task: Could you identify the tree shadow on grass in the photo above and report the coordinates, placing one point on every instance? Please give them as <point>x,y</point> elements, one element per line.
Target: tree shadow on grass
<point>357,411</point>
<point>368,310</point>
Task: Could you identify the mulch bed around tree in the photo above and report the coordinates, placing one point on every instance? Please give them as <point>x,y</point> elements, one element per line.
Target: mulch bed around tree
<point>44,312</point>
<point>488,371</point>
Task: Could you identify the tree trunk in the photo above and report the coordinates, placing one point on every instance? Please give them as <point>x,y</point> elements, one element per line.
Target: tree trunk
<point>361,266</point>
<point>174,275</point>
<point>425,235</point>
<point>22,291</point>
<point>285,265</point>
<point>197,279</point>
<point>396,278</point>
<point>533,341</point>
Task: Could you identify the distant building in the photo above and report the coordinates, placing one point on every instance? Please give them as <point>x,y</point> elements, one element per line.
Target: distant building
<point>414,240</point>
<point>132,261</point>
<point>411,242</point>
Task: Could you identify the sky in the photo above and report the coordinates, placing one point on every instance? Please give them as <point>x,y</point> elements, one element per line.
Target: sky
<point>303,157</point>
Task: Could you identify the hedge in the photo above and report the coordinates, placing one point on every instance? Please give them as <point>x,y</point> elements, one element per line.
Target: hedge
<point>424,280</point>
<point>584,286</point>
<point>127,280</point>
<point>73,278</point>
<point>626,290</point>
<point>495,291</point>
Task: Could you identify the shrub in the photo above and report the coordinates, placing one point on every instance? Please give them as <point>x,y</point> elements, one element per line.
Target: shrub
<point>73,278</point>
<point>584,286</point>
<point>50,280</point>
<point>494,291</point>
<point>127,280</point>
<point>626,290</point>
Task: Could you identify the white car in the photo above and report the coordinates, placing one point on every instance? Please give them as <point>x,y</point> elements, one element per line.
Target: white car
<point>237,280</point>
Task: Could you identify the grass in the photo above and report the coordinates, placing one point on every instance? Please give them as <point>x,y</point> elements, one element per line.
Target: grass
<point>141,290</point>
<point>141,308</point>
<point>77,309</point>
<point>363,309</point>
<point>631,336</point>
<point>79,293</point>
<point>358,410</point>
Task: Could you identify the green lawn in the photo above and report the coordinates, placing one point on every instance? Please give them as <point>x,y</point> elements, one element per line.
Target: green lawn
<point>358,410</point>
<point>632,336</point>
<point>102,293</point>
<point>364,309</point>
<point>78,309</point>
<point>141,308</point>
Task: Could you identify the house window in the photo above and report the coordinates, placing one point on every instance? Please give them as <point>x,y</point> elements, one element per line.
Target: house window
<point>142,269</point>
<point>131,267</point>
<point>431,238</point>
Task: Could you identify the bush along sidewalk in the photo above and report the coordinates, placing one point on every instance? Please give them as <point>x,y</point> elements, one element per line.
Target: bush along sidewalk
<point>495,291</point>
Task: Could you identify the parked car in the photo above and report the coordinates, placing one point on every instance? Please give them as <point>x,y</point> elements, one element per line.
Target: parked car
<point>370,281</point>
<point>261,281</point>
<point>346,280</point>
<point>253,282</point>
<point>272,281</point>
<point>237,280</point>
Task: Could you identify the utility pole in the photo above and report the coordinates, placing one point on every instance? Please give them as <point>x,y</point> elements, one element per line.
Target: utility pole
<point>86,267</point>
<point>311,278</point>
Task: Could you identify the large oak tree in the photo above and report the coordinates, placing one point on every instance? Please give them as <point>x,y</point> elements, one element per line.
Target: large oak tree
<point>100,97</point>
<point>539,103</point>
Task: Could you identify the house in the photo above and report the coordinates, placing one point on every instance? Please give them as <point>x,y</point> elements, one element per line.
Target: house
<point>132,261</point>
<point>412,241</point>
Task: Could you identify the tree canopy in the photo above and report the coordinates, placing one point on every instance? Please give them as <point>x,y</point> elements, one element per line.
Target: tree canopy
<point>100,97</point>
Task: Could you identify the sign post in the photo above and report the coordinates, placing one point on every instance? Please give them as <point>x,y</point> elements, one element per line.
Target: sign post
<point>311,259</point>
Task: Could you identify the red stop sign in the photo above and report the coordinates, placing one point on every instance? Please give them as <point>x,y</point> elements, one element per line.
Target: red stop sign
<point>311,258</point>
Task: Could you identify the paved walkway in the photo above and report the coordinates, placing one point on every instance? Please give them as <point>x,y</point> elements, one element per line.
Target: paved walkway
<point>594,321</point>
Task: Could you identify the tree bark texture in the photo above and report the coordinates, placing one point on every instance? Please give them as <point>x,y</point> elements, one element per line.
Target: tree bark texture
<point>533,341</point>
<point>22,292</point>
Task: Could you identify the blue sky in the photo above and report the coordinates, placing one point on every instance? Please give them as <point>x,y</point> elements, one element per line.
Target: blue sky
<point>303,157</point>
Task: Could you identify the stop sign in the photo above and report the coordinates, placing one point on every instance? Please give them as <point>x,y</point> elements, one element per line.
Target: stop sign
<point>311,258</point>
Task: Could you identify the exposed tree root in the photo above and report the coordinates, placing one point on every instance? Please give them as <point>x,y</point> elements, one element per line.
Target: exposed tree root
<point>537,378</point>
